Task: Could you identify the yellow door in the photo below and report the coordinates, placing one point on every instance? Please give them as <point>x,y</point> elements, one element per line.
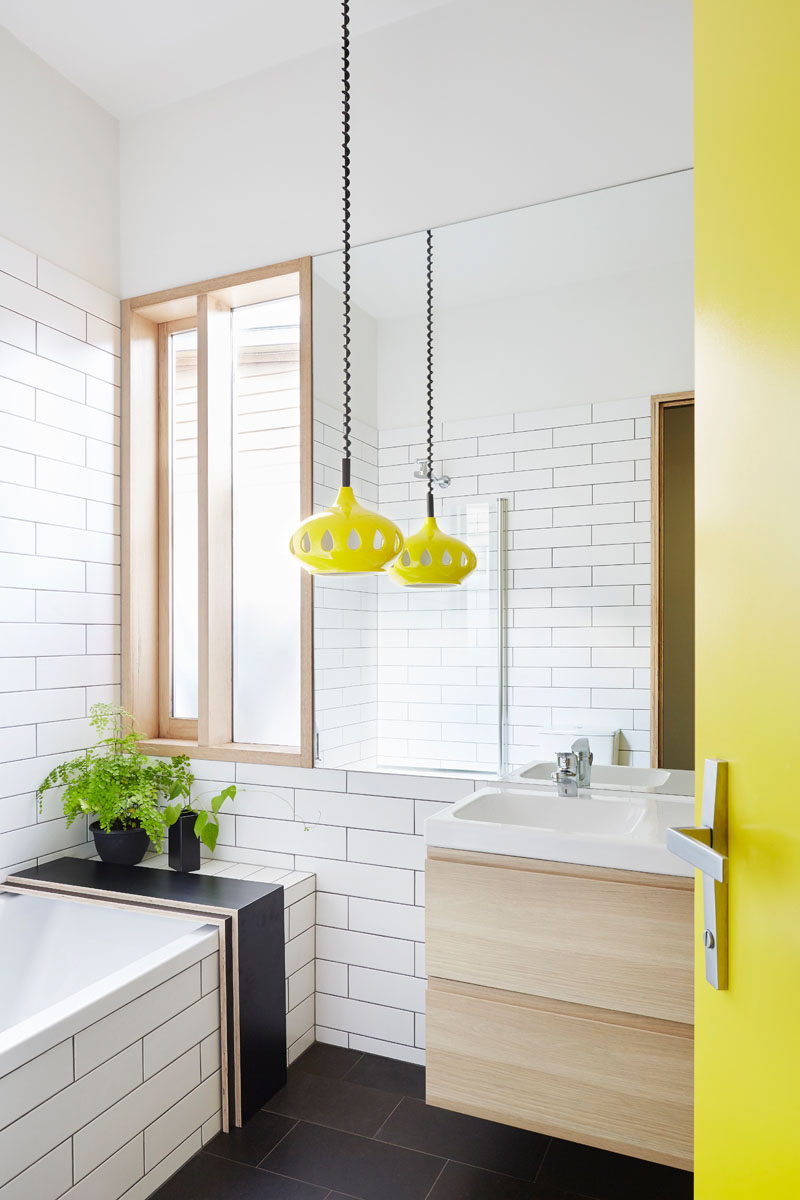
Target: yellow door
<point>747,155</point>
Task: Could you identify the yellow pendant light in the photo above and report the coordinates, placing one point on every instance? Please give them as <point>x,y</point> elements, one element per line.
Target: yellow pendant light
<point>346,539</point>
<point>430,557</point>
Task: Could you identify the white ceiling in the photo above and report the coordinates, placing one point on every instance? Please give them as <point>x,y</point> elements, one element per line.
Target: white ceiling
<point>597,235</point>
<point>131,58</point>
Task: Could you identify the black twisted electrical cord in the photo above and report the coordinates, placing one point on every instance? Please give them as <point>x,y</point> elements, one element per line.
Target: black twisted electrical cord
<point>430,371</point>
<point>346,215</point>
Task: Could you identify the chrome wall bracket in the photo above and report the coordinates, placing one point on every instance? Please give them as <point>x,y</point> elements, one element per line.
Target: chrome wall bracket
<point>706,848</point>
<point>440,481</point>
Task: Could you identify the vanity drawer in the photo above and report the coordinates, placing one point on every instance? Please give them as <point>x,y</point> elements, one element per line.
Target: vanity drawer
<point>605,1079</point>
<point>612,939</point>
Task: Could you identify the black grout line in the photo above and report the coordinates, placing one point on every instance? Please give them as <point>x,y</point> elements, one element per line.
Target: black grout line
<point>42,1157</point>
<point>180,1100</point>
<point>129,1092</point>
<point>133,1000</point>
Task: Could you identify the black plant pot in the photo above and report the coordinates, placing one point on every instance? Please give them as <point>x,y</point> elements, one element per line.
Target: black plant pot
<point>184,844</point>
<point>125,847</point>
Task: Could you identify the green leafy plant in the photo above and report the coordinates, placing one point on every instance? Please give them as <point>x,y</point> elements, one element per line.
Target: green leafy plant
<point>115,782</point>
<point>206,825</point>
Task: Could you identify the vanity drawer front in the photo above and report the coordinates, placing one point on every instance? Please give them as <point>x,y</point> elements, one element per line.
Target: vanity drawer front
<point>612,939</point>
<point>599,1078</point>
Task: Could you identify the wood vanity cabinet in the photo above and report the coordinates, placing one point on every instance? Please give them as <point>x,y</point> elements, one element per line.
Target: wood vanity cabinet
<point>560,999</point>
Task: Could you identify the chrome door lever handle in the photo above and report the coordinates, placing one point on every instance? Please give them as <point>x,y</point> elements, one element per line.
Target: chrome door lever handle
<point>694,844</point>
<point>705,848</point>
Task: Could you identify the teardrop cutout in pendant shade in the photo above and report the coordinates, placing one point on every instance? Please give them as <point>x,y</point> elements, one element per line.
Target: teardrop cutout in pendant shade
<point>432,558</point>
<point>346,539</point>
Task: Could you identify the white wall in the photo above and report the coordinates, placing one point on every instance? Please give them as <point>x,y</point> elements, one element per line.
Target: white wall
<point>60,168</point>
<point>467,109</point>
<point>59,537</point>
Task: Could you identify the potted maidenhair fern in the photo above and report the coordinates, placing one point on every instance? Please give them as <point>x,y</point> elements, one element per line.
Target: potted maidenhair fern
<point>122,789</point>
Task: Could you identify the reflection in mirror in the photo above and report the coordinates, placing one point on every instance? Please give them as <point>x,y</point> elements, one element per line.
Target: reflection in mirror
<point>554,327</point>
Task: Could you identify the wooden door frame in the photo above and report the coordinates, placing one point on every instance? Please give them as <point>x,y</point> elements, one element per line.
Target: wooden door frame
<point>658,406</point>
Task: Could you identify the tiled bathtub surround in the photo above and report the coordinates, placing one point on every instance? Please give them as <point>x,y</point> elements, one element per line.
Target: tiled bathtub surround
<point>59,536</point>
<point>115,1107</point>
<point>361,834</point>
<point>299,916</point>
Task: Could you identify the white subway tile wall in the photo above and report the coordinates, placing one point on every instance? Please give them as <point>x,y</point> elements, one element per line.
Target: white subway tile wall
<point>115,1108</point>
<point>59,537</point>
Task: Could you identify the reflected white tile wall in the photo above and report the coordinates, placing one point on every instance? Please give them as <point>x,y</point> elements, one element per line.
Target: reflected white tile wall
<point>345,610</point>
<point>411,681</point>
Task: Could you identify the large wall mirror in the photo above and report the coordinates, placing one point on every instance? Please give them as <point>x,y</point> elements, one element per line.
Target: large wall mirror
<point>563,369</point>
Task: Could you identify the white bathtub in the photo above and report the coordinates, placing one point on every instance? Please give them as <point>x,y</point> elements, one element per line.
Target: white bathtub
<point>109,1047</point>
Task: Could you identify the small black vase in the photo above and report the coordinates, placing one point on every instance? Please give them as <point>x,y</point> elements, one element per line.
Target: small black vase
<point>184,844</point>
<point>124,847</point>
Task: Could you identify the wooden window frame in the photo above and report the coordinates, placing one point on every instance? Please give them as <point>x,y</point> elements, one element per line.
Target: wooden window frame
<point>169,726</point>
<point>147,322</point>
<point>658,405</point>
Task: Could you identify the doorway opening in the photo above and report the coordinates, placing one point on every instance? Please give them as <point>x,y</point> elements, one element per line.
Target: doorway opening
<point>672,683</point>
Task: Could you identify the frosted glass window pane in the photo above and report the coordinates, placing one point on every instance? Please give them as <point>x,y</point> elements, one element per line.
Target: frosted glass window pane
<point>183,548</point>
<point>266,509</point>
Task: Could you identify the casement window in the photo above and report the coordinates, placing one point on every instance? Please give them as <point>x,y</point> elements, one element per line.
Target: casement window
<point>217,452</point>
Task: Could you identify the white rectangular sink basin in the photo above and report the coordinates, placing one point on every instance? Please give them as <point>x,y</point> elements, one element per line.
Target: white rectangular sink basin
<point>622,830</point>
<point>618,778</point>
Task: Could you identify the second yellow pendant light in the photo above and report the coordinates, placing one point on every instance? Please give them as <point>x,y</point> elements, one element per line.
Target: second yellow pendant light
<point>430,557</point>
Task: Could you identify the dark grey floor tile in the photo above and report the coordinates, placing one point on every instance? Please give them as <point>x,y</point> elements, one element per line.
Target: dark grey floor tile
<point>334,1102</point>
<point>357,1166</point>
<point>470,1140</point>
<point>389,1075</point>
<point>208,1178</point>
<point>322,1059</point>
<point>459,1182</point>
<point>253,1141</point>
<point>571,1169</point>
